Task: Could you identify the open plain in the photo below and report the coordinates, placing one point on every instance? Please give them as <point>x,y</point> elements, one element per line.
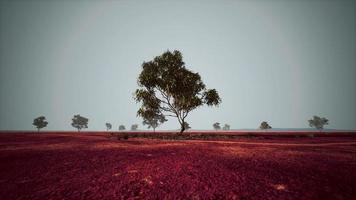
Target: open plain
<point>70,165</point>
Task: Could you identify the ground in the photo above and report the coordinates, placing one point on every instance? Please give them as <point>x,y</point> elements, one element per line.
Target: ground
<point>94,166</point>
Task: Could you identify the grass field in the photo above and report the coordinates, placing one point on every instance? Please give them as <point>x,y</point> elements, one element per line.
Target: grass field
<point>70,165</point>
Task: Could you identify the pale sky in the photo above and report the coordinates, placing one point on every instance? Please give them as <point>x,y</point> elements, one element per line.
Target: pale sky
<point>276,61</point>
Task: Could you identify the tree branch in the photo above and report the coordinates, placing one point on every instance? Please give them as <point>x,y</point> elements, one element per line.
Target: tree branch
<point>167,102</point>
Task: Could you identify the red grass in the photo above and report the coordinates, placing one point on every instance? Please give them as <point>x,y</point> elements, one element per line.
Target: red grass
<point>92,166</point>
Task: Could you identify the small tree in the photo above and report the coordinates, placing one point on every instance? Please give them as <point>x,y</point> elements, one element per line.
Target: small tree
<point>122,128</point>
<point>40,122</point>
<point>264,126</point>
<point>79,122</point>
<point>318,122</point>
<point>134,127</point>
<point>153,120</point>
<point>186,126</point>
<point>216,126</point>
<point>108,126</point>
<point>168,88</point>
<point>226,127</point>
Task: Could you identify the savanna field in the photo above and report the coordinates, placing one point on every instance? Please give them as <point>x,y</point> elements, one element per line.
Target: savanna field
<point>96,166</point>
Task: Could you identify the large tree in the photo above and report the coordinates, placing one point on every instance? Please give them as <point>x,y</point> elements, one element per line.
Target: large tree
<point>79,122</point>
<point>168,88</point>
<point>318,122</point>
<point>40,122</point>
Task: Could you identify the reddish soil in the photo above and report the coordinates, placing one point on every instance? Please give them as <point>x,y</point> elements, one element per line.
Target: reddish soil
<point>93,166</point>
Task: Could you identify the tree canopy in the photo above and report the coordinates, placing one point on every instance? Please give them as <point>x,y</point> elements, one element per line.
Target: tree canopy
<point>122,127</point>
<point>216,126</point>
<point>40,122</point>
<point>154,121</point>
<point>108,126</point>
<point>226,127</point>
<point>264,126</point>
<point>318,122</point>
<point>168,88</point>
<point>79,122</point>
<point>134,127</point>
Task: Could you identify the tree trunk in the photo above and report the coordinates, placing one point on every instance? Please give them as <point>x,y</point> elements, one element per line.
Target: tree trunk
<point>182,128</point>
<point>154,129</point>
<point>38,130</point>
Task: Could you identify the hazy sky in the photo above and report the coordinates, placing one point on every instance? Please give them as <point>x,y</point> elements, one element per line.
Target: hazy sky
<point>279,61</point>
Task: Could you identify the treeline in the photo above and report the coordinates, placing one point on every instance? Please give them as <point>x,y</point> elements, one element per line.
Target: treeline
<point>79,122</point>
<point>167,88</point>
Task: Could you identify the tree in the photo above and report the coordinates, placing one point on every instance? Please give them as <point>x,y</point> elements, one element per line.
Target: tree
<point>216,126</point>
<point>134,127</point>
<point>168,88</point>
<point>121,128</point>
<point>79,122</point>
<point>40,122</point>
<point>226,127</point>
<point>108,126</point>
<point>264,126</point>
<point>186,126</point>
<point>154,121</point>
<point>318,122</point>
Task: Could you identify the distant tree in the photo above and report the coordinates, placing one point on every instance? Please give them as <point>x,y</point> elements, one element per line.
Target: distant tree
<point>168,88</point>
<point>40,122</point>
<point>108,126</point>
<point>216,126</point>
<point>134,127</point>
<point>318,122</point>
<point>154,121</point>
<point>264,126</point>
<point>186,126</point>
<point>226,127</point>
<point>122,127</point>
<point>79,122</point>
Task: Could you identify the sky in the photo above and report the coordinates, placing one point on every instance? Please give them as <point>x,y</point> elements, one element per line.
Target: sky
<point>276,61</point>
